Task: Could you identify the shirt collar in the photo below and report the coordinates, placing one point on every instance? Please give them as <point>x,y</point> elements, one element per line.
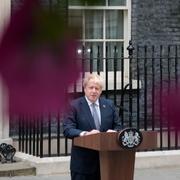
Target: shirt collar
<point>89,102</point>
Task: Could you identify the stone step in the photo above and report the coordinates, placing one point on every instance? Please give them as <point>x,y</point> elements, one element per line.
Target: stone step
<point>17,169</point>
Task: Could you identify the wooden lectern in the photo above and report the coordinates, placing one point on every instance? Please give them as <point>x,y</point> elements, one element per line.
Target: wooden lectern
<point>116,163</point>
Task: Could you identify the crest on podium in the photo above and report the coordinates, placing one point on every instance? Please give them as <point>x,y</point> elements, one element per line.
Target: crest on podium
<point>130,138</point>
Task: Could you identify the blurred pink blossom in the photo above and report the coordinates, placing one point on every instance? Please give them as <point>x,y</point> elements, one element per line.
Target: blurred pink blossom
<point>172,105</point>
<point>168,107</point>
<point>37,60</point>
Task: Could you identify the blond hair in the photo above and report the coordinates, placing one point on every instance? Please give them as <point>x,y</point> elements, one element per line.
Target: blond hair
<point>95,78</point>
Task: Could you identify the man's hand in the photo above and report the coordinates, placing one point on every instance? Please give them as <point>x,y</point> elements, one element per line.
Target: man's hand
<point>94,131</point>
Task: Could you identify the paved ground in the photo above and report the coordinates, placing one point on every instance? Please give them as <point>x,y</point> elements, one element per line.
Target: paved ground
<point>168,173</point>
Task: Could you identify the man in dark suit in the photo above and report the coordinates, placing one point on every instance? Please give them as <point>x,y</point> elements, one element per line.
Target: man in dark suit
<point>89,115</point>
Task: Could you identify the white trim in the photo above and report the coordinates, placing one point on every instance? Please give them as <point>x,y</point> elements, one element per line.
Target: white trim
<point>100,7</point>
<point>102,40</point>
<point>5,12</point>
<point>129,18</point>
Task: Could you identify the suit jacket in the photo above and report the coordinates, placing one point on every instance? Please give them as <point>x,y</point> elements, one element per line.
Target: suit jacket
<point>78,119</point>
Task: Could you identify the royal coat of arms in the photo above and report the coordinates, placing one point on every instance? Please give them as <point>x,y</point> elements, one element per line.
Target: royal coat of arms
<point>130,138</point>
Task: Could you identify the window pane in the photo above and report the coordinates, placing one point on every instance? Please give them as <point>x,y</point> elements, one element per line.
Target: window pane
<point>75,20</point>
<point>79,3</point>
<point>114,24</point>
<point>75,3</point>
<point>97,3</point>
<point>93,24</point>
<point>94,54</point>
<point>117,3</point>
<point>114,53</point>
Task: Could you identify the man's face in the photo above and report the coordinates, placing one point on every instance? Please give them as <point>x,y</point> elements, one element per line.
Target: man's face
<point>92,91</point>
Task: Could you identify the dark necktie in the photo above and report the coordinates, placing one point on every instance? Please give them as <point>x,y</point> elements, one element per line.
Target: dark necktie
<point>95,116</point>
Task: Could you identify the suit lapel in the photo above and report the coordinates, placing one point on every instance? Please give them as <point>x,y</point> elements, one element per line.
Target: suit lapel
<point>87,112</point>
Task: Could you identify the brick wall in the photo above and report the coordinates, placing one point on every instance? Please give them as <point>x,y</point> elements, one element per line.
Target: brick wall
<point>156,22</point>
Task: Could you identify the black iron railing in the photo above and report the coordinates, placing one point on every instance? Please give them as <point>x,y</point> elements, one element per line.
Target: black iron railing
<point>136,90</point>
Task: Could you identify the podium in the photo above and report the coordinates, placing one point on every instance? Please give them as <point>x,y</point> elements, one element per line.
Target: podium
<point>116,163</point>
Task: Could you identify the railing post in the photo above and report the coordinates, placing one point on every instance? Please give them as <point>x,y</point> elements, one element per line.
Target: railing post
<point>130,49</point>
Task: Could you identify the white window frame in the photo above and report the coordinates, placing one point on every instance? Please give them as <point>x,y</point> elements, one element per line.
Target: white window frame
<point>126,37</point>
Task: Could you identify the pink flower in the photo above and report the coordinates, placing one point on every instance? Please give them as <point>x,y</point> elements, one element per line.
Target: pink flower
<point>172,105</point>
<point>167,108</point>
<point>37,60</point>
